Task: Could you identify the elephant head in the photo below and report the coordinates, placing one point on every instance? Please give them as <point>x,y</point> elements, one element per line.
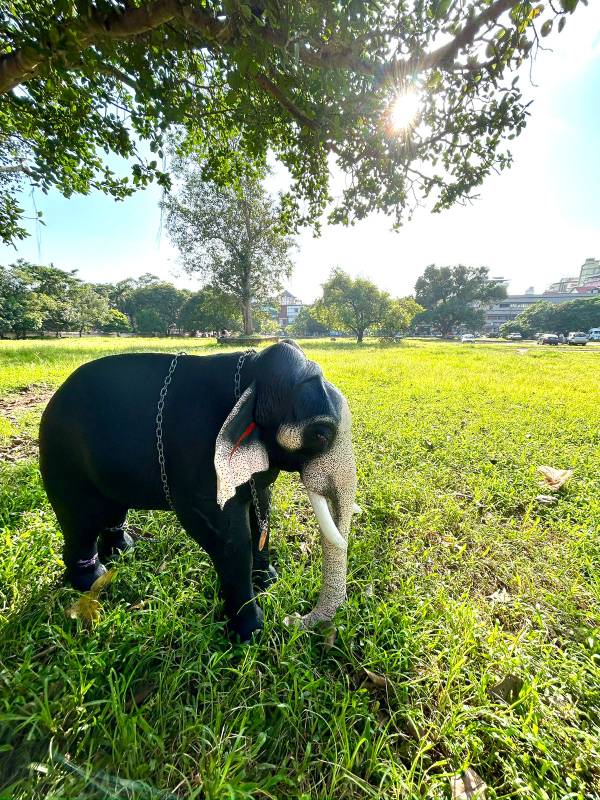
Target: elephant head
<point>291,418</point>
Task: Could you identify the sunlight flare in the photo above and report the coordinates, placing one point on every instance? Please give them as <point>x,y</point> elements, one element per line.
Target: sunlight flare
<point>404,110</point>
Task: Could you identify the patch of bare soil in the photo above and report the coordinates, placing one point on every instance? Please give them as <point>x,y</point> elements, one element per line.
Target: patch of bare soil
<point>21,446</point>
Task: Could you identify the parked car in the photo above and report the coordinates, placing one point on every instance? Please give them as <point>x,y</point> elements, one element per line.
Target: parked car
<point>594,335</point>
<point>514,336</point>
<point>467,337</point>
<point>548,338</point>
<point>577,337</point>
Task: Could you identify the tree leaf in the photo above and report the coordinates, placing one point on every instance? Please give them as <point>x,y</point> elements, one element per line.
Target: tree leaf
<point>467,785</point>
<point>553,478</point>
<point>376,679</point>
<point>102,582</point>
<point>507,689</point>
<point>86,609</point>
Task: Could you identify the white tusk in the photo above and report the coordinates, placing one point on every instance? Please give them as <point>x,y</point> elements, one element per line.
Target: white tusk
<point>325,520</point>
<point>356,509</point>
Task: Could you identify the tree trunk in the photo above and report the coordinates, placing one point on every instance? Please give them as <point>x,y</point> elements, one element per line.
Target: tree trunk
<point>359,336</point>
<point>247,312</point>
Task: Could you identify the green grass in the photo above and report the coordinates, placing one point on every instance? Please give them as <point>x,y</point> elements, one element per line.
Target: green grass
<point>458,580</point>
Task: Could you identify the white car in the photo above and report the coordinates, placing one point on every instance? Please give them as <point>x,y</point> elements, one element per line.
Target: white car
<point>577,337</point>
<point>467,337</point>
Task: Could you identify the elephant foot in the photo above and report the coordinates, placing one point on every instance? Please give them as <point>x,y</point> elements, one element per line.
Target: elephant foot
<point>84,574</point>
<point>246,622</point>
<point>112,545</point>
<point>263,578</point>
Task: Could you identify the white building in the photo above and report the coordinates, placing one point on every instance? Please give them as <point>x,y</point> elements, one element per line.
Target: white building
<point>589,269</point>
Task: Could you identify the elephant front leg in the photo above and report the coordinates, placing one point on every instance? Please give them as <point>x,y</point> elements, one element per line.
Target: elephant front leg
<point>226,537</point>
<point>263,572</point>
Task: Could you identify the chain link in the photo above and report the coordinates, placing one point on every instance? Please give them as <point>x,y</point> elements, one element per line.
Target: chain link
<point>159,427</point>
<point>263,524</point>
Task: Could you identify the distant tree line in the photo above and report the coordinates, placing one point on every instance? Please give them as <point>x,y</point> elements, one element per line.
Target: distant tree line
<point>39,299</point>
<point>580,314</point>
<point>445,298</point>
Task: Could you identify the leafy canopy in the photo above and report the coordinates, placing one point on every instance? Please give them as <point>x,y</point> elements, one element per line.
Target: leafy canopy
<point>399,316</point>
<point>231,236</point>
<point>354,305</point>
<point>83,78</point>
<point>210,310</point>
<point>455,296</point>
<point>574,315</point>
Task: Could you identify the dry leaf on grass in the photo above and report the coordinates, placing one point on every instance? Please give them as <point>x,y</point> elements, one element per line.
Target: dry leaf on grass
<point>508,689</point>
<point>468,785</point>
<point>546,499</point>
<point>141,696</point>
<point>375,679</point>
<point>552,478</point>
<point>499,596</point>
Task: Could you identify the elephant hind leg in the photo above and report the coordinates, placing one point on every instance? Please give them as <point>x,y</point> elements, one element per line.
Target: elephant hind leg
<point>83,514</point>
<point>114,540</point>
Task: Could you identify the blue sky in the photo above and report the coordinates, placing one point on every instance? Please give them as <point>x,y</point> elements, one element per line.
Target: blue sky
<point>533,224</point>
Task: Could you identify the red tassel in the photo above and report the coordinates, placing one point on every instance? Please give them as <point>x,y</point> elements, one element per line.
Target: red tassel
<point>244,435</point>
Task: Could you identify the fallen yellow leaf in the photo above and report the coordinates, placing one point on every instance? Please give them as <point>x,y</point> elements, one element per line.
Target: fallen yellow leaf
<point>102,582</point>
<point>86,609</point>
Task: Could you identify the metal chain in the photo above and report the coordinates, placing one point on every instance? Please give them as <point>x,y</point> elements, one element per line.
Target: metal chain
<point>263,524</point>
<point>159,429</point>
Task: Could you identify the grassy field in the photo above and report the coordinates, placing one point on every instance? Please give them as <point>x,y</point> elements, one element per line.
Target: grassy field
<point>473,606</point>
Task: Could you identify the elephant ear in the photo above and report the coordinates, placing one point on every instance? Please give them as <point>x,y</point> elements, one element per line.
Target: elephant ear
<point>239,451</point>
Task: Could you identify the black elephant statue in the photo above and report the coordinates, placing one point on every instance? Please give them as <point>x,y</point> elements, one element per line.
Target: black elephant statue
<point>205,436</point>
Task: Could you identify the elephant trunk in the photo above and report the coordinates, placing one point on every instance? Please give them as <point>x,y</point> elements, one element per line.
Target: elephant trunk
<point>330,480</point>
<point>334,543</point>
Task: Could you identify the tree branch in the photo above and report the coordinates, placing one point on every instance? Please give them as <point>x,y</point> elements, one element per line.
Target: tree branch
<point>445,55</point>
<point>20,167</point>
<point>289,105</point>
<point>19,66</point>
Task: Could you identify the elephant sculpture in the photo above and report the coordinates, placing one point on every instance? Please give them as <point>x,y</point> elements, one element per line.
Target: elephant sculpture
<point>226,425</point>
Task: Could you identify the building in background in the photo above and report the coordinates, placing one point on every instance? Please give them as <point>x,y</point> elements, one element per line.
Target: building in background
<point>512,305</point>
<point>289,308</point>
<point>590,270</point>
<point>563,285</point>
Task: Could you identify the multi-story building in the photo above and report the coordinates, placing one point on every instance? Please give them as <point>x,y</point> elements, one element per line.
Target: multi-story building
<point>289,308</point>
<point>510,307</point>
<point>590,269</point>
<point>563,285</point>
